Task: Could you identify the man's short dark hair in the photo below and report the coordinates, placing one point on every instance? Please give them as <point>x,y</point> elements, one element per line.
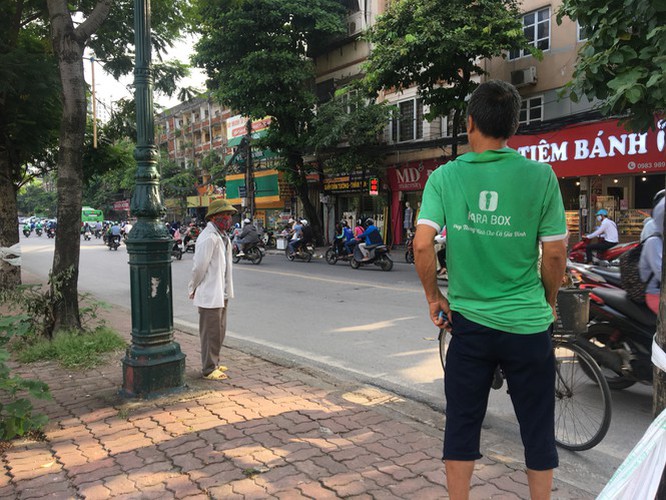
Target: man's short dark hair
<point>495,108</point>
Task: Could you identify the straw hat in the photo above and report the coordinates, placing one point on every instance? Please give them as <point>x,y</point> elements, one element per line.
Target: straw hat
<point>219,206</point>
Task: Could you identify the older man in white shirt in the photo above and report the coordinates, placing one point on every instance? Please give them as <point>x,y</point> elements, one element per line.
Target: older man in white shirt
<point>212,286</point>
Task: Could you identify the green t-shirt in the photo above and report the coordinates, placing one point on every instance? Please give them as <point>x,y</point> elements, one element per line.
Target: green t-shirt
<point>497,206</point>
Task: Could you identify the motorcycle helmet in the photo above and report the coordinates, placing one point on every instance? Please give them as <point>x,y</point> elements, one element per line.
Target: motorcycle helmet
<point>247,221</point>
<point>304,222</point>
<point>369,222</point>
<point>603,212</point>
<point>237,225</point>
<point>657,197</point>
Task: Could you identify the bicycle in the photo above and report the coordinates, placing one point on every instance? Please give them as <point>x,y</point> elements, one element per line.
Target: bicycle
<point>582,396</point>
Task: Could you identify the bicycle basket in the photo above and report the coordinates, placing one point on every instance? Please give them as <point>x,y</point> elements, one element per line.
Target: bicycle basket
<point>573,311</point>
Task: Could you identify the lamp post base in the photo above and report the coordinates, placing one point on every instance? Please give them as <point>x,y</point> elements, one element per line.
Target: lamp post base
<point>153,371</point>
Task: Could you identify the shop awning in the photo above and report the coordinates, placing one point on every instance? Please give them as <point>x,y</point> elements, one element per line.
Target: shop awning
<point>267,192</point>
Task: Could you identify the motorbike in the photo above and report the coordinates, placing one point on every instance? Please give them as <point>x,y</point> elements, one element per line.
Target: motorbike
<point>303,252</point>
<point>619,337</point>
<point>113,242</point>
<point>253,252</point>
<point>26,232</point>
<point>87,236</point>
<point>610,257</point>
<point>379,256</point>
<point>38,231</point>
<point>177,250</point>
<point>98,233</point>
<point>590,276</point>
<point>334,254</point>
<point>268,239</point>
<point>51,232</point>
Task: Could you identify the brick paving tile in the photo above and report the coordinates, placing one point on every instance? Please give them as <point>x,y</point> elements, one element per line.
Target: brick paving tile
<point>407,459</point>
<point>192,443</point>
<point>224,492</point>
<point>362,463</point>
<point>119,484</point>
<point>42,482</point>
<point>384,494</point>
<point>398,472</point>
<point>353,488</point>
<point>95,475</point>
<point>380,450</point>
<point>152,474</point>
<point>150,455</point>
<point>316,491</point>
<point>290,495</point>
<point>507,484</point>
<point>182,486</point>
<point>187,462</point>
<point>303,452</point>
<point>329,464</point>
<point>92,466</point>
<point>94,490</point>
<point>408,487</point>
<point>216,475</point>
<point>436,476</point>
<point>489,471</point>
<point>311,469</point>
<point>249,488</point>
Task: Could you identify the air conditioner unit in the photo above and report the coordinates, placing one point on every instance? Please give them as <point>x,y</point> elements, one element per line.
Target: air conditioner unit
<point>353,28</point>
<point>522,77</point>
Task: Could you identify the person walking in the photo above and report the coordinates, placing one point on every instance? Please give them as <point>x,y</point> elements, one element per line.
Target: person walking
<point>607,230</point>
<point>212,286</point>
<point>499,310</point>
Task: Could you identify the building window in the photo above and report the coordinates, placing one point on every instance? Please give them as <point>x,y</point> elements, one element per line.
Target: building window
<point>531,110</point>
<point>447,125</point>
<point>407,122</point>
<point>583,32</point>
<point>536,27</point>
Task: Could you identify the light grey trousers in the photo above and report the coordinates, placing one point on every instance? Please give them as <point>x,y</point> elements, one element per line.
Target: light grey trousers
<point>212,329</point>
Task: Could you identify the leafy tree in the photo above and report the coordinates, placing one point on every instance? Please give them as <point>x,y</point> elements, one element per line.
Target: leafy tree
<point>176,182</point>
<point>346,132</point>
<point>106,27</point>
<point>438,45</point>
<point>257,54</point>
<point>29,114</point>
<point>34,199</point>
<point>623,61</point>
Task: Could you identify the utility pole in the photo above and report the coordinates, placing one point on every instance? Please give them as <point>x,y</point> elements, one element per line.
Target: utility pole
<point>249,169</point>
<point>153,363</point>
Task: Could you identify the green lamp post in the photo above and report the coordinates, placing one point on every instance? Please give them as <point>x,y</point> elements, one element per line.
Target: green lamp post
<point>153,363</point>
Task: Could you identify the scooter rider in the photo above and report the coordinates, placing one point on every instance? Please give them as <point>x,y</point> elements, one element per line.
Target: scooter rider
<point>371,235</point>
<point>296,236</point>
<point>607,229</point>
<point>114,233</point>
<point>651,259</point>
<point>248,236</point>
<point>308,236</point>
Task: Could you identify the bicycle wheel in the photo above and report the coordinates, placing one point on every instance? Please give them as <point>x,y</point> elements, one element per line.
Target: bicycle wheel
<point>582,406</point>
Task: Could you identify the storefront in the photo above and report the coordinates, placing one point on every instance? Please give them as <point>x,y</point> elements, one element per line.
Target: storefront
<point>407,182</point>
<point>601,165</point>
<point>349,198</point>
<point>271,198</point>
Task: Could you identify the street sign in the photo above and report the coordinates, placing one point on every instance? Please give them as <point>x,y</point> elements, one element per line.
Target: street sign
<point>242,191</point>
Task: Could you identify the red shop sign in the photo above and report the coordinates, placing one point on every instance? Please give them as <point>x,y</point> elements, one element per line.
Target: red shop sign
<point>602,147</point>
<point>412,176</point>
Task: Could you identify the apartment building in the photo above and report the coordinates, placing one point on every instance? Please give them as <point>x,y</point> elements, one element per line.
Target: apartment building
<point>191,131</point>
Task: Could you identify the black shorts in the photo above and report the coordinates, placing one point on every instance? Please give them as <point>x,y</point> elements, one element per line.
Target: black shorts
<point>528,364</point>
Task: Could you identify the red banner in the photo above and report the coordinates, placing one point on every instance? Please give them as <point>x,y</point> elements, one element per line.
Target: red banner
<point>121,206</point>
<point>597,148</point>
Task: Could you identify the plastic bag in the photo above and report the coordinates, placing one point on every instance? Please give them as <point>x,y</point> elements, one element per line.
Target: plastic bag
<point>640,473</point>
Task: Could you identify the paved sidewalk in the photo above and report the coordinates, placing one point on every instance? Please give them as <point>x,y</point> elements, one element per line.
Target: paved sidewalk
<point>269,431</point>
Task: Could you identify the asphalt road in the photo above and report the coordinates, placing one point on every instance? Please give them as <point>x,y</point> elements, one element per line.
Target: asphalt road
<point>365,324</point>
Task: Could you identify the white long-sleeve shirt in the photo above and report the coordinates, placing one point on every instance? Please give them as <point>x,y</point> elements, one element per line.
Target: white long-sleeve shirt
<point>212,280</point>
<point>607,229</point>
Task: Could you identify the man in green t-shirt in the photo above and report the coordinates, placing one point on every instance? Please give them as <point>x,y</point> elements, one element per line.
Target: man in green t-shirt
<point>498,208</point>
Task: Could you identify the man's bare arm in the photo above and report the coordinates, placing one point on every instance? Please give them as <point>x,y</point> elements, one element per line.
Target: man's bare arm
<point>426,267</point>
<point>553,266</point>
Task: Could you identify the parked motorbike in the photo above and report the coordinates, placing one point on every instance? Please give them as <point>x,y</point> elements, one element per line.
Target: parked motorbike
<point>590,276</point>
<point>619,337</point>
<point>177,250</point>
<point>253,252</point>
<point>113,242</point>
<point>303,252</point>
<point>610,257</point>
<point>378,256</point>
<point>334,254</point>
<point>268,239</point>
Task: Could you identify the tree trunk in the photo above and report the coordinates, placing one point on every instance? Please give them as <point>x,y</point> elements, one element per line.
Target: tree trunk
<point>64,285</point>
<point>301,185</point>
<point>10,275</point>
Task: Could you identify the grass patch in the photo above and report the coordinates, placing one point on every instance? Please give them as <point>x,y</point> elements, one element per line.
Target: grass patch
<point>71,349</point>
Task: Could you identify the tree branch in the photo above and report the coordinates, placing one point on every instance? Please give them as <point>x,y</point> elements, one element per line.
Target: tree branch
<point>94,20</point>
